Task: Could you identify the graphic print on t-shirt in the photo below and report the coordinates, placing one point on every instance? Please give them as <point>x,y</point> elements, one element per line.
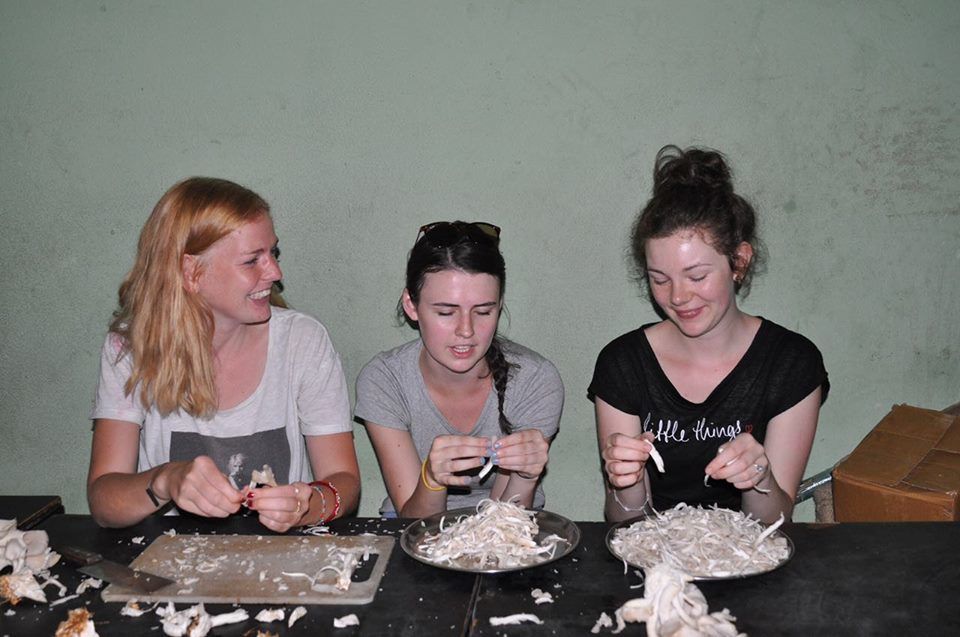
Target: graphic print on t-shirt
<point>665,431</point>
<point>239,456</point>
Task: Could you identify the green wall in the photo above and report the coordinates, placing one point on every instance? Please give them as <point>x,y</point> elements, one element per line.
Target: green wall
<point>359,121</point>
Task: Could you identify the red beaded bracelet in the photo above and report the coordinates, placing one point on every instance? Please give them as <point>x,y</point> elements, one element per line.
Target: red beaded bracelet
<point>336,498</point>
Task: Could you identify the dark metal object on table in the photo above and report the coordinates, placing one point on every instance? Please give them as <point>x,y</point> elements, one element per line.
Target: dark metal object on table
<point>29,510</point>
<point>94,565</point>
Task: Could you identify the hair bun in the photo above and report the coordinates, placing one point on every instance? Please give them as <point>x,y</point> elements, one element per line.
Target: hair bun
<point>691,168</point>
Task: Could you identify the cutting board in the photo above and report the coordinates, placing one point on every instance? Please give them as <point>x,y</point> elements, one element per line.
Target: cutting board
<point>249,569</point>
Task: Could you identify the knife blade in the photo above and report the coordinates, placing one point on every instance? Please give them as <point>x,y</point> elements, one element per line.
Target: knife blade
<point>95,565</point>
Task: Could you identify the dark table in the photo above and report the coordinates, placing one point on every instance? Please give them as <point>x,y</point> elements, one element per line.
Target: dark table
<point>844,579</point>
<point>29,510</point>
<point>413,599</point>
<point>900,578</point>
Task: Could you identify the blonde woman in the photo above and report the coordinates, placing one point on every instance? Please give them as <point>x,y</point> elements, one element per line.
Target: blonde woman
<point>205,376</point>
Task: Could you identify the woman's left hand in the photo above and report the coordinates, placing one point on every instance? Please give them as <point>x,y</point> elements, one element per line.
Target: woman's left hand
<point>742,462</point>
<point>280,508</point>
<point>523,452</point>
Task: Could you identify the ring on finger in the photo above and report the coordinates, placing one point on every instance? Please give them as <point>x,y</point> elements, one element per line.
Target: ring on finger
<point>759,468</point>
<point>299,506</point>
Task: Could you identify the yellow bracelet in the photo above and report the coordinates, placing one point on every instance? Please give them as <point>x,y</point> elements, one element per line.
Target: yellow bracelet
<point>423,476</point>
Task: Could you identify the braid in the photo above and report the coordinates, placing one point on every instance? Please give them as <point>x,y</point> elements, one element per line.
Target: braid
<point>500,370</point>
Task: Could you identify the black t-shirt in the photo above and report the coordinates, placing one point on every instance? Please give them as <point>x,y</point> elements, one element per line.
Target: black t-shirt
<point>779,369</point>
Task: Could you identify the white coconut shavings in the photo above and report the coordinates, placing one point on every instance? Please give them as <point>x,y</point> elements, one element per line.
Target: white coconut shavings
<point>272,615</point>
<point>702,542</point>
<point>346,620</point>
<point>672,606</point>
<point>499,535</point>
<point>296,614</point>
<point>515,620</point>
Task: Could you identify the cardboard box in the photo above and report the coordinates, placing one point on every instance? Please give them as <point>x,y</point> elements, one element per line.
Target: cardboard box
<point>907,468</point>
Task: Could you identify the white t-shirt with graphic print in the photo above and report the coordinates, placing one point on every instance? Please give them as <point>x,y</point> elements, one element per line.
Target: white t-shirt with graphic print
<point>302,393</point>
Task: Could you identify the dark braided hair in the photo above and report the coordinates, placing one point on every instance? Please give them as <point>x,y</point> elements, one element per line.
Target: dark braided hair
<point>693,190</point>
<point>461,245</point>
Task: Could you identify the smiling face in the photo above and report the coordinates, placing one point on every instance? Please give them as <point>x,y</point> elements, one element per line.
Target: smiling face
<point>691,282</point>
<point>457,313</point>
<point>234,276</point>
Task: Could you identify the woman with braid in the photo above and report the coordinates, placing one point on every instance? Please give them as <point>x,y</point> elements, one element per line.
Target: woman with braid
<point>440,407</point>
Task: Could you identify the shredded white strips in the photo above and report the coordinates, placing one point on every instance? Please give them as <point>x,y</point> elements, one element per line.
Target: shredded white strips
<point>671,606</point>
<point>344,563</point>
<point>486,469</point>
<point>657,458</point>
<point>514,620</point>
<point>702,542</point>
<point>500,535</point>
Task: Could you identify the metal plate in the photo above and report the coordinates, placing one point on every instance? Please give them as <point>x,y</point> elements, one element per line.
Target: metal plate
<point>548,523</point>
<point>701,578</point>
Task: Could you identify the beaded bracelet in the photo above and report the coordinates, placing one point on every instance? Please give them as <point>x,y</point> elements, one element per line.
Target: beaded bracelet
<point>336,499</point>
<point>423,476</point>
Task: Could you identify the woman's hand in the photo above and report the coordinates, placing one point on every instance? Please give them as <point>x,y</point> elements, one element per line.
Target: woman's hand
<point>197,486</point>
<point>523,452</point>
<point>450,455</point>
<point>280,508</point>
<point>742,462</point>
<point>625,457</point>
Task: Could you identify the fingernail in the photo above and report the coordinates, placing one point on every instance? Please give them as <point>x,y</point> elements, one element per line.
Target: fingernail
<point>495,457</point>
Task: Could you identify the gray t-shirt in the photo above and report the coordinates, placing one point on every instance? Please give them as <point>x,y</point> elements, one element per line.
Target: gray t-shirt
<point>302,393</point>
<point>391,392</point>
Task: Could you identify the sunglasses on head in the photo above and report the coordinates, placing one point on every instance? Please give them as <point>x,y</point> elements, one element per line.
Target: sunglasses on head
<point>448,232</point>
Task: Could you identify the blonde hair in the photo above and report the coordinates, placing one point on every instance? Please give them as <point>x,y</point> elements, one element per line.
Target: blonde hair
<point>168,330</point>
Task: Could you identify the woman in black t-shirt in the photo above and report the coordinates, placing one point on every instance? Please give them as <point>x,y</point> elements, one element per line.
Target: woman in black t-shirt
<point>730,400</point>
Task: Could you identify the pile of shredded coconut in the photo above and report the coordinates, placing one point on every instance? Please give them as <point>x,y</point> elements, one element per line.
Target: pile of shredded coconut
<point>499,535</point>
<point>671,606</point>
<point>701,542</point>
<point>29,557</point>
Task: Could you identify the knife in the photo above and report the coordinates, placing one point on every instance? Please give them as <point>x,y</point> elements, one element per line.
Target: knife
<point>94,565</point>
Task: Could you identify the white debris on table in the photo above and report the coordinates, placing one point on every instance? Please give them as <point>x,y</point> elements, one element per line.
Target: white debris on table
<point>346,620</point>
<point>515,620</point>
<point>132,609</point>
<point>672,606</point>
<point>701,542</point>
<point>63,600</point>
<point>499,535</point>
<point>195,621</point>
<point>342,561</point>
<point>79,623</point>
<point>270,615</point>
<point>296,614</point>
<point>88,582</point>
<point>29,557</point>
<point>541,597</point>
<point>603,621</point>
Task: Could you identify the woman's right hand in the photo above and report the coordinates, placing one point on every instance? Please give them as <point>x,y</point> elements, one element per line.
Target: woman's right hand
<point>450,455</point>
<point>197,486</point>
<point>625,457</point>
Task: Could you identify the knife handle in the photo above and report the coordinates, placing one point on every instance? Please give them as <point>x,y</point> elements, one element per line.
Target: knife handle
<point>78,555</point>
